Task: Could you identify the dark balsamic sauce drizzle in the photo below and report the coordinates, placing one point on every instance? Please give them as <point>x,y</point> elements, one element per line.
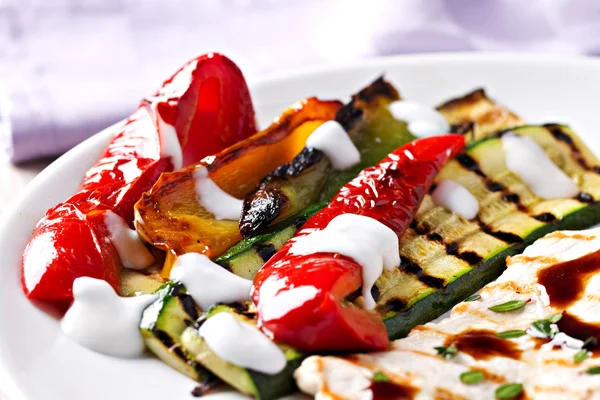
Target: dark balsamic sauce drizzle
<point>565,282</point>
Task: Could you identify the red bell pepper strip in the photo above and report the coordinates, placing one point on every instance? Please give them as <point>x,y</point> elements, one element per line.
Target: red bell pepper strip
<point>391,192</point>
<point>207,102</point>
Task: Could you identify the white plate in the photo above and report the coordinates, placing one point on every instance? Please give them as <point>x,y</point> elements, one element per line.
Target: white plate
<point>38,363</point>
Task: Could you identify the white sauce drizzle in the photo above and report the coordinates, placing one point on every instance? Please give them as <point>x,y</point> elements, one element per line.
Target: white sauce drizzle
<point>169,142</point>
<point>209,283</point>
<point>369,242</point>
<point>242,344</point>
<point>288,300</point>
<point>422,120</point>
<point>565,341</point>
<point>528,160</point>
<point>104,322</point>
<point>331,138</point>
<point>133,253</point>
<point>455,198</point>
<point>214,199</point>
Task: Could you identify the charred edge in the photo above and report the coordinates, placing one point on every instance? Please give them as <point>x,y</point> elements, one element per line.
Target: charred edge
<point>264,251</point>
<point>375,293</point>
<point>504,236</point>
<point>260,210</point>
<point>494,186</point>
<point>514,198</point>
<point>557,132</point>
<point>349,115</point>
<point>378,88</point>
<point>242,309</point>
<point>205,386</point>
<point>452,250</point>
<point>467,162</point>
<point>168,342</point>
<point>177,290</point>
<point>436,237</point>
<point>545,217</point>
<point>304,160</point>
<point>189,306</point>
<point>469,98</point>
<point>415,269</point>
<point>469,257</point>
<point>394,305</point>
<point>300,222</point>
<point>471,164</point>
<point>420,229</point>
<point>351,297</point>
<point>585,197</point>
<point>463,129</point>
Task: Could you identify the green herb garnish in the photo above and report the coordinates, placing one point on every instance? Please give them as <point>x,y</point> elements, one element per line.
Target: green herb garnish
<point>511,334</point>
<point>580,356</point>
<point>509,306</point>
<point>380,377</point>
<point>509,391</point>
<point>593,371</point>
<point>447,352</point>
<point>471,377</point>
<point>472,297</point>
<point>555,318</point>
<point>544,326</point>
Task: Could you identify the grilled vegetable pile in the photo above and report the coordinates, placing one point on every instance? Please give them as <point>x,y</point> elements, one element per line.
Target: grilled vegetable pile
<point>335,229</point>
<point>444,257</point>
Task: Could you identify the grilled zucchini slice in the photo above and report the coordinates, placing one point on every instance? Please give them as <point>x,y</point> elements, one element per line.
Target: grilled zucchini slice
<point>445,257</point>
<point>247,381</point>
<point>162,324</point>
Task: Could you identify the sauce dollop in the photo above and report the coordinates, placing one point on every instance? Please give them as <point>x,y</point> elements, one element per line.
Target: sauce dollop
<point>214,199</point>
<point>209,283</point>
<point>364,239</point>
<point>331,138</point>
<point>104,322</point>
<point>242,344</point>
<point>455,198</point>
<point>530,162</point>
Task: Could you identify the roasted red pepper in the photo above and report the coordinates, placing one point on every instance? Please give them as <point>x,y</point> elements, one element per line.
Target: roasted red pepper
<point>391,193</point>
<point>202,109</point>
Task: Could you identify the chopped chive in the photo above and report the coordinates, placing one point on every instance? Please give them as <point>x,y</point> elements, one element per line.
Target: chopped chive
<point>447,352</point>
<point>508,306</point>
<point>471,377</point>
<point>580,356</point>
<point>555,318</point>
<point>472,297</point>
<point>380,377</point>
<point>516,333</point>
<point>509,391</point>
<point>593,371</point>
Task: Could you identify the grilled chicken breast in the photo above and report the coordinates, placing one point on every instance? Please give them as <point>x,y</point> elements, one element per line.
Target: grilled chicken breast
<point>559,275</point>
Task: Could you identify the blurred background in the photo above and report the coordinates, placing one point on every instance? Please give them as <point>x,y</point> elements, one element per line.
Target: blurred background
<point>69,68</point>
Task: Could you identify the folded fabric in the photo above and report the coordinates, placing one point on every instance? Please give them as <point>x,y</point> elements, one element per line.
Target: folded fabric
<point>70,68</point>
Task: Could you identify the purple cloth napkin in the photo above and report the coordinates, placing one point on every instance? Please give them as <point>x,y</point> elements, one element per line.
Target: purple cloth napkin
<point>69,68</point>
